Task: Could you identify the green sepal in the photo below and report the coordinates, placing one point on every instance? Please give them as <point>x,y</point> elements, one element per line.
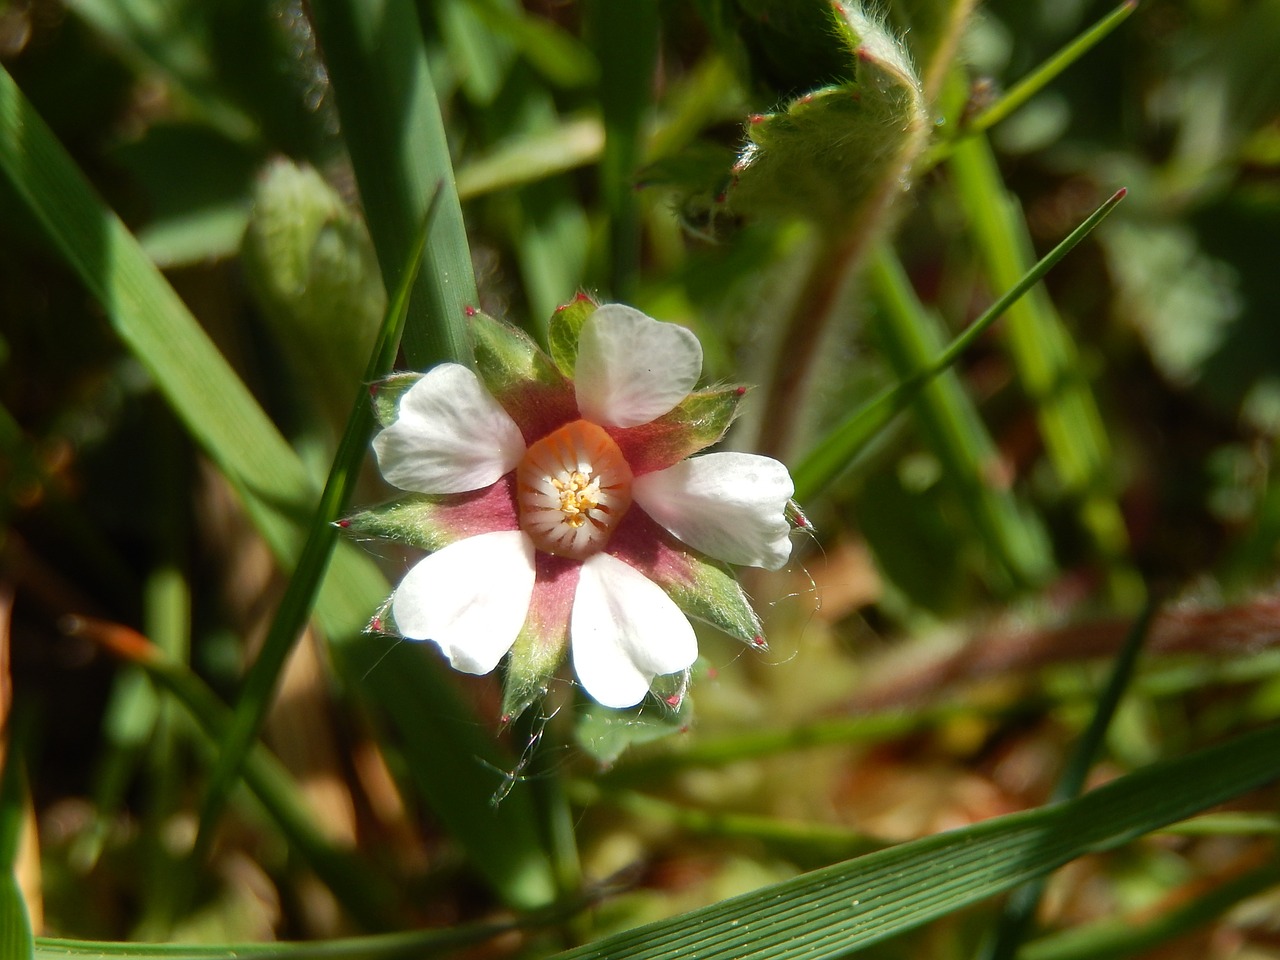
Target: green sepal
<point>418,520</point>
<point>521,377</point>
<point>386,394</point>
<point>530,667</point>
<point>564,330</point>
<point>711,593</point>
<point>606,733</point>
<point>695,423</point>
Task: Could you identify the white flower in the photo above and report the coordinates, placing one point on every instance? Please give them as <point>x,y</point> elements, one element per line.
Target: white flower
<point>578,524</point>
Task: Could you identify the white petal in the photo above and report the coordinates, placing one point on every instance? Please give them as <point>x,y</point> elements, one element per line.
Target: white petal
<point>631,368</point>
<point>624,631</point>
<point>731,506</point>
<point>451,436</point>
<point>470,598</point>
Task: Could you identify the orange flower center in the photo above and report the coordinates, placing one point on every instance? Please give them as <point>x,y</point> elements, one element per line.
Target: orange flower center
<point>572,487</point>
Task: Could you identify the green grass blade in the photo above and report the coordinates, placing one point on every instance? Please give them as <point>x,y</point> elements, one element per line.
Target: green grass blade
<point>1047,362</point>
<point>830,457</point>
<point>910,336</point>
<point>1133,937</point>
<point>1047,72</point>
<point>1019,912</point>
<point>434,726</point>
<point>300,594</point>
<point>838,910</point>
<point>406,945</point>
<point>532,157</point>
<point>391,124</point>
<point>153,322</point>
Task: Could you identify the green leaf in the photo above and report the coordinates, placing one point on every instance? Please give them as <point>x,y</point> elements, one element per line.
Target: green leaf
<point>910,336</point>
<point>300,595</point>
<point>377,63</point>
<point>839,910</point>
<point>831,152</point>
<point>606,733</point>
<point>1048,363</point>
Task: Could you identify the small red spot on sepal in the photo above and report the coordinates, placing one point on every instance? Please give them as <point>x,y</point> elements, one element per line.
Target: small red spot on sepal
<point>505,719</point>
<point>342,524</point>
<point>469,310</point>
<point>373,389</point>
<point>759,642</point>
<point>375,625</point>
<point>741,391</point>
<point>673,701</point>
<point>756,118</point>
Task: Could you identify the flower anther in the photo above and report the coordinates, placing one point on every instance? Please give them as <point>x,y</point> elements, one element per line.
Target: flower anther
<point>572,488</point>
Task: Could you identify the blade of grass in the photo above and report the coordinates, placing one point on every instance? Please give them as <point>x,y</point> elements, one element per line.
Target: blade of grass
<point>1016,918</point>
<point>299,598</point>
<point>391,124</point>
<point>838,910</point>
<point>527,159</point>
<point>1026,88</point>
<point>1048,364</point>
<point>436,729</point>
<point>1133,937</point>
<point>832,455</point>
<point>403,945</point>
<point>909,336</point>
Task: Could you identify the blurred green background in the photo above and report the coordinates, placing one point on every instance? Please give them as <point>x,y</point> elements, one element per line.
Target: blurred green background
<point>937,646</point>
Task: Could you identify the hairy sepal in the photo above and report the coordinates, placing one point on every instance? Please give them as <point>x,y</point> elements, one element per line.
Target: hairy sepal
<point>521,377</point>
<point>543,640</point>
<point>695,423</point>
<point>564,330</point>
<point>830,151</point>
<point>433,521</point>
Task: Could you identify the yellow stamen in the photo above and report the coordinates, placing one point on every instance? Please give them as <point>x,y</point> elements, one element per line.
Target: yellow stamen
<point>572,488</point>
